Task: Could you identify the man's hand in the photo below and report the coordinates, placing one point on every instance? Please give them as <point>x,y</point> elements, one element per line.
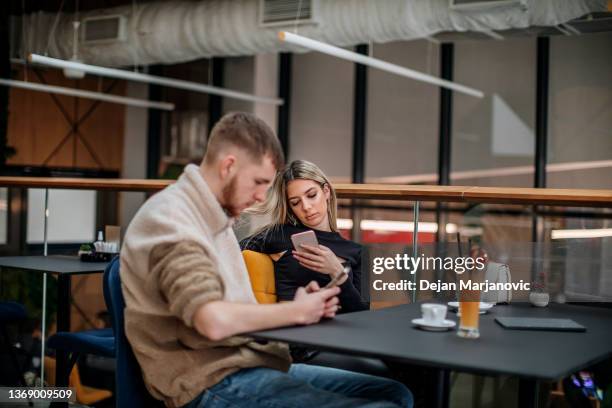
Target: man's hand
<point>320,259</point>
<point>219,319</point>
<point>313,303</point>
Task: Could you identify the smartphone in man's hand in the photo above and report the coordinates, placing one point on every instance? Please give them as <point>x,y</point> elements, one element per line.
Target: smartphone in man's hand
<point>304,238</point>
<point>336,280</point>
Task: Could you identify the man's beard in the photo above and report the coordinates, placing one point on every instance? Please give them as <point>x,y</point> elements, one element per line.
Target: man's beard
<point>230,202</point>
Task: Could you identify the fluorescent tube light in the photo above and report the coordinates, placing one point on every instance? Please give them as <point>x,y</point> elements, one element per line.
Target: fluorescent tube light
<point>397,226</point>
<point>394,226</point>
<point>581,233</point>
<point>151,79</point>
<point>123,100</point>
<point>375,63</point>
<point>344,223</point>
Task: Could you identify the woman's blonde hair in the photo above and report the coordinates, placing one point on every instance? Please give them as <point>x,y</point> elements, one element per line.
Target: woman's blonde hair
<point>277,205</point>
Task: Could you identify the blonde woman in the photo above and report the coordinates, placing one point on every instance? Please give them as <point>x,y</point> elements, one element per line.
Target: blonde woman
<point>302,198</point>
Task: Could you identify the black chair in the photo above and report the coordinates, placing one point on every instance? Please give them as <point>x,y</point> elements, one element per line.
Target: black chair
<point>11,313</point>
<point>99,342</point>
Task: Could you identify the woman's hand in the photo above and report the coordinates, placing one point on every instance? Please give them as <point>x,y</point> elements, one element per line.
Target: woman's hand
<point>320,259</point>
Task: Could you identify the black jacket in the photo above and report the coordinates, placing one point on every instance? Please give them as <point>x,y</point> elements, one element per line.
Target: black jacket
<point>290,275</point>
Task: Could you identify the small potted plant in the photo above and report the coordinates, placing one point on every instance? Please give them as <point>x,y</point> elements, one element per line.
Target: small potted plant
<point>85,249</point>
<point>538,295</point>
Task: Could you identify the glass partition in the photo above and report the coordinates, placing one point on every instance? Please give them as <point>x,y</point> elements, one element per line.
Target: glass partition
<point>579,241</point>
<point>569,258</point>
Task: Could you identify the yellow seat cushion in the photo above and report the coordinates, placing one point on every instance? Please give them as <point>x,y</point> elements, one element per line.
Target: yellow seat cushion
<point>261,273</point>
<point>84,394</point>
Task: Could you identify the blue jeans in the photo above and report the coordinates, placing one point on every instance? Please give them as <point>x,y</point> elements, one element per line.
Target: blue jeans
<point>303,386</point>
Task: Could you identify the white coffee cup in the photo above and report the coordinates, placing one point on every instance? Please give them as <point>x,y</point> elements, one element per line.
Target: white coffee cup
<point>433,313</point>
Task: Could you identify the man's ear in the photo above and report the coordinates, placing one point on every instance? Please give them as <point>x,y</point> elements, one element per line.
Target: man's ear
<point>227,166</point>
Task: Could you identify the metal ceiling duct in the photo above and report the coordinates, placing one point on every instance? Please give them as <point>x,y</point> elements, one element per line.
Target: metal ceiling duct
<point>177,31</point>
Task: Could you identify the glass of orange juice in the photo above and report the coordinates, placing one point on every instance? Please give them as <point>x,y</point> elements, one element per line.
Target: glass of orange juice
<point>469,307</point>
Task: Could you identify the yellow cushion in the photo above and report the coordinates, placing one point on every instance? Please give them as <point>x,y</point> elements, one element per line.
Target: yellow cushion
<point>261,272</point>
<point>84,394</point>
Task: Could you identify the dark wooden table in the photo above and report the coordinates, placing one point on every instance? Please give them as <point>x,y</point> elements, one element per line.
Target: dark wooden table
<point>533,356</point>
<point>64,267</point>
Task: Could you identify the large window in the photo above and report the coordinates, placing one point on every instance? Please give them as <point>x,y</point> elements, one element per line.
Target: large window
<point>580,114</point>
<point>402,123</point>
<point>322,112</point>
<point>493,138</point>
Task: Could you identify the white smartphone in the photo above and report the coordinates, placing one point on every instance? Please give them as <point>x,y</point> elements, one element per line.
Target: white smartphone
<point>306,238</point>
<point>336,280</point>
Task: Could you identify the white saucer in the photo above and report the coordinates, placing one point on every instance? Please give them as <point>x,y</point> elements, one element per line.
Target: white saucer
<point>483,307</point>
<point>443,326</point>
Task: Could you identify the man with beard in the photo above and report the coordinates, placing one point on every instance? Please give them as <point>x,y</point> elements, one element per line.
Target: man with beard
<point>188,295</point>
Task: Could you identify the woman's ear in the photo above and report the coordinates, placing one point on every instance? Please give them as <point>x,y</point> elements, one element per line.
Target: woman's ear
<point>326,191</point>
